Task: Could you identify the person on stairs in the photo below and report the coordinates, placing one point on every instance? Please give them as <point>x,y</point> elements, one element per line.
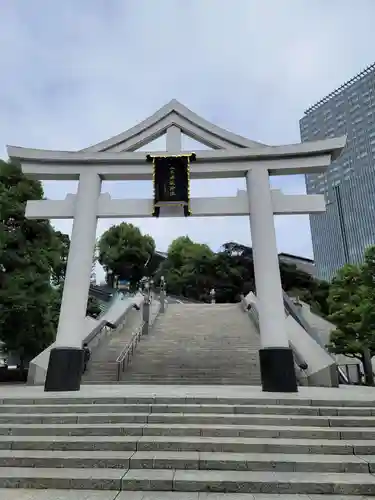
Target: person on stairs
<point>86,356</point>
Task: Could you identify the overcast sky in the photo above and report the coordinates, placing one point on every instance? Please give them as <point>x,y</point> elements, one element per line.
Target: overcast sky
<point>76,72</point>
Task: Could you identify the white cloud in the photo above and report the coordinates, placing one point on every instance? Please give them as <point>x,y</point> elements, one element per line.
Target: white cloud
<point>75,73</point>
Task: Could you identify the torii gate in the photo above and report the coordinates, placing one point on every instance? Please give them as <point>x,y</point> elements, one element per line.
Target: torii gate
<point>232,156</point>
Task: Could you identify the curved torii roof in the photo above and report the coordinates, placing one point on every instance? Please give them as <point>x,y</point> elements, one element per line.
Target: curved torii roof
<point>173,113</point>
<point>233,151</point>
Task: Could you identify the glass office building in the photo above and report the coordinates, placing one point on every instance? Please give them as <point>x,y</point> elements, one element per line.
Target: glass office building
<point>347,228</point>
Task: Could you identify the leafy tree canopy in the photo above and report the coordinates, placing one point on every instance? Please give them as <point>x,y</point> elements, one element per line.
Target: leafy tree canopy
<point>193,269</point>
<point>125,251</point>
<point>352,306</point>
<point>93,307</point>
<point>30,257</point>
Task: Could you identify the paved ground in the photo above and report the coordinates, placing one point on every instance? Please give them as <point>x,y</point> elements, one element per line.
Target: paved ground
<point>155,495</point>
<point>227,391</point>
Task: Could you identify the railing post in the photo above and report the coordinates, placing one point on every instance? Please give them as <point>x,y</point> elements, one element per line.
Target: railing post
<point>162,294</point>
<point>146,317</point>
<point>146,310</point>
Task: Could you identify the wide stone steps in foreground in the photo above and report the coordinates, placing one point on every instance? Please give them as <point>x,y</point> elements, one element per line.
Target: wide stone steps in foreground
<point>186,445</point>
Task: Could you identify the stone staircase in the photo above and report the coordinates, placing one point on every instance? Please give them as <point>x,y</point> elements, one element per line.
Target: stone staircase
<point>198,344</point>
<point>102,367</point>
<point>148,447</point>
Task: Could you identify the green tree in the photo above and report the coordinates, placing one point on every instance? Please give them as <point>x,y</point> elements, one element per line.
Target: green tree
<point>188,269</point>
<point>182,249</point>
<point>319,298</point>
<point>293,278</point>
<point>352,312</point>
<point>125,252</point>
<point>30,256</point>
<point>93,307</point>
<point>61,252</point>
<point>192,269</point>
<point>239,258</point>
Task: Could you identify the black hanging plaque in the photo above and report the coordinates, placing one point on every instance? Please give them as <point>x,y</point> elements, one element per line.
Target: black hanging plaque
<point>171,178</point>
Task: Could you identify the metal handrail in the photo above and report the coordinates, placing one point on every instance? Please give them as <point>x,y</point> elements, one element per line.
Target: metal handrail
<point>126,354</point>
<point>104,327</point>
<point>98,330</point>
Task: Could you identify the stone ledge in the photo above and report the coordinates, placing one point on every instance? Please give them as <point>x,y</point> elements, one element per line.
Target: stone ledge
<point>43,478</point>
<point>272,483</point>
<point>206,430</point>
<point>273,462</point>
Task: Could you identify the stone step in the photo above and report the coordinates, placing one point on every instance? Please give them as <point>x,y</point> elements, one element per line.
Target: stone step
<point>162,369</point>
<point>204,399</point>
<point>135,429</point>
<point>186,381</point>
<point>180,418</point>
<point>188,460</point>
<point>178,380</point>
<point>61,478</point>
<point>189,443</point>
<point>228,419</point>
<point>53,494</point>
<point>190,409</point>
<point>249,482</point>
<point>189,480</point>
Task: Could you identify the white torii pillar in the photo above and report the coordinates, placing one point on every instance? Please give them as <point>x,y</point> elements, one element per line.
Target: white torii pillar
<point>276,357</point>
<point>66,358</point>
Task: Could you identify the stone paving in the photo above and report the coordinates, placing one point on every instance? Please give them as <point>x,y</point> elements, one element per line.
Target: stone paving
<point>151,495</point>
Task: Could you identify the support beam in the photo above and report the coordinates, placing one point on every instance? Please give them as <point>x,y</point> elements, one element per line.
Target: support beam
<point>199,169</point>
<point>51,209</point>
<point>201,207</point>
<point>276,359</point>
<point>174,140</point>
<point>297,204</point>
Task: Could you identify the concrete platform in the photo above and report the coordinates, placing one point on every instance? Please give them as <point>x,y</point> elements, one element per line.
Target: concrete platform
<point>21,494</point>
<point>343,393</point>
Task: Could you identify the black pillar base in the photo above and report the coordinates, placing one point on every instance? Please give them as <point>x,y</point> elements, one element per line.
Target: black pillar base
<point>64,369</point>
<point>277,370</point>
